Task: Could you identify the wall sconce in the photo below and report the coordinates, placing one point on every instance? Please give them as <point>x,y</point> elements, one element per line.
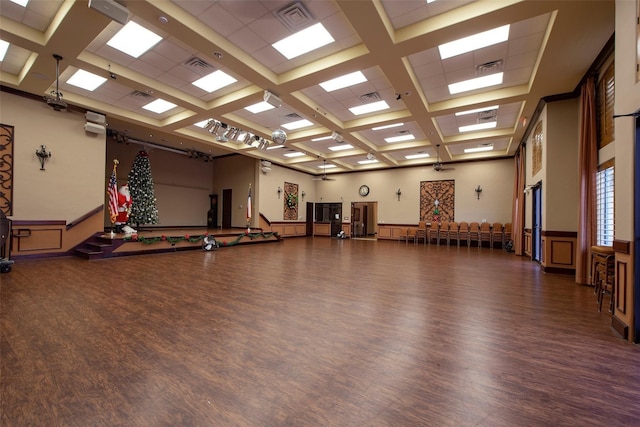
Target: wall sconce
<point>43,155</point>
<point>279,192</point>
<point>303,194</point>
<point>478,191</point>
<point>398,193</point>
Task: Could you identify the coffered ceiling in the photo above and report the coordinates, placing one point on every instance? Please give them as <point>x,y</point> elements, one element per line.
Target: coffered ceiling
<point>394,43</point>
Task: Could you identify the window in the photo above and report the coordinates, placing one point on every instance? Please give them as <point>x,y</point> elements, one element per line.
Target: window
<point>604,207</point>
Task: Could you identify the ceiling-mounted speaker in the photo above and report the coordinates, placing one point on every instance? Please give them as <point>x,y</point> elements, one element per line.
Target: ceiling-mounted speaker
<point>337,137</point>
<point>94,128</point>
<point>92,117</point>
<point>112,9</point>
<point>272,99</point>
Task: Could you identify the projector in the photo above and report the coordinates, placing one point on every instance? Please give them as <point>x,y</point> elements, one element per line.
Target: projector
<point>56,103</point>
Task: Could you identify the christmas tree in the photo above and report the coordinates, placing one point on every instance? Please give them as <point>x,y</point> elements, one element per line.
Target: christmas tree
<point>143,210</point>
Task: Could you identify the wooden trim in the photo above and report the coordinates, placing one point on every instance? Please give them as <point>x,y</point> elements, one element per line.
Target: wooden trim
<point>622,247</point>
<point>606,165</point>
<point>552,245</point>
<point>552,233</point>
<point>26,223</point>
<point>621,280</point>
<point>85,217</point>
<point>265,219</point>
<point>556,270</point>
<point>53,247</point>
<point>619,326</point>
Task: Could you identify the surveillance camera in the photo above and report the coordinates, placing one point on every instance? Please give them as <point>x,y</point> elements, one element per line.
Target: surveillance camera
<point>112,75</point>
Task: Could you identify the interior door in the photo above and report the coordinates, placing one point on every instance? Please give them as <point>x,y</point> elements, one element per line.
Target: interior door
<point>536,227</point>
<point>309,220</point>
<point>226,208</point>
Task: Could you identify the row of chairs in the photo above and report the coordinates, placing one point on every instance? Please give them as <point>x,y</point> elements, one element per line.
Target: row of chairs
<point>447,232</point>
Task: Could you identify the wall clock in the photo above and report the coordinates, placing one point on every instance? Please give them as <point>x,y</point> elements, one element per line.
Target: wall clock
<point>364,190</point>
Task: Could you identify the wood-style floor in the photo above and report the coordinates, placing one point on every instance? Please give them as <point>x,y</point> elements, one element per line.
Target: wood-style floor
<point>309,332</point>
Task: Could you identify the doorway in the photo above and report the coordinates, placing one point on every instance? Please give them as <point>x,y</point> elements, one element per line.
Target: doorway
<point>636,238</point>
<point>536,226</point>
<point>226,208</point>
<point>364,220</point>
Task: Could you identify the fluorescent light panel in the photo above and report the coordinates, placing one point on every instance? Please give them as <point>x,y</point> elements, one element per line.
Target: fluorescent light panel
<point>86,80</point>
<point>22,3</point>
<point>4,46</point>
<point>477,110</point>
<point>474,42</point>
<point>400,138</point>
<point>367,162</point>
<point>329,166</point>
<point>273,147</point>
<point>343,81</point>
<point>479,126</point>
<point>394,125</point>
<point>214,81</point>
<point>479,149</point>
<point>159,106</point>
<point>416,156</point>
<point>134,40</point>
<point>322,138</point>
<point>369,108</point>
<point>341,147</point>
<point>477,83</point>
<point>294,154</point>
<point>304,41</point>
<point>259,107</point>
<point>202,124</point>
<point>297,124</point>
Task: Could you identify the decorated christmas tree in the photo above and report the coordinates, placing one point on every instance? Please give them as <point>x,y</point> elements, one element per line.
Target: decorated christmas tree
<point>143,210</point>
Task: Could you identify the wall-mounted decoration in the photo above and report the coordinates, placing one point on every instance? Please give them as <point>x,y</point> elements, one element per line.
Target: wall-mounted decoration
<point>536,165</point>
<point>290,201</point>
<point>437,200</point>
<point>6,169</point>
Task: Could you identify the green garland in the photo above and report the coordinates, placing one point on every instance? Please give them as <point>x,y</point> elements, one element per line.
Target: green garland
<point>193,239</point>
<point>292,201</point>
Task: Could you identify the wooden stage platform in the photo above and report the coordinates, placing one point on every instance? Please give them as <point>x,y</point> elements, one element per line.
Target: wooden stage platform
<point>156,240</point>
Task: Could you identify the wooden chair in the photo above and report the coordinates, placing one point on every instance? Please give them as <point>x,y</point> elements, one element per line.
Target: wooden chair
<point>496,234</point>
<point>474,233</point>
<point>485,234</point>
<point>463,233</point>
<point>421,232</point>
<point>402,235</point>
<point>454,233</point>
<point>411,234</point>
<point>506,234</point>
<point>432,232</point>
<point>443,231</point>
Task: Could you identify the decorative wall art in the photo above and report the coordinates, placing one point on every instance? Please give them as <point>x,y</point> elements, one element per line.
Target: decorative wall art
<point>290,201</point>
<point>6,169</point>
<point>437,200</point>
<point>536,165</point>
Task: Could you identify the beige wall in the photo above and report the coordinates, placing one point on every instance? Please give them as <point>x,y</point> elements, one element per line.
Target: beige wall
<point>237,173</point>
<point>182,185</point>
<point>72,183</point>
<point>271,206</point>
<point>495,177</point>
<point>560,194</point>
<point>627,101</point>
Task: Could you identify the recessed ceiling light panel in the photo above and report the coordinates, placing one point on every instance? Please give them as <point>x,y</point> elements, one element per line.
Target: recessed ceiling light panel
<point>477,83</point>
<point>474,42</point>
<point>343,81</point>
<point>86,80</point>
<point>304,41</point>
<point>214,81</point>
<point>134,40</point>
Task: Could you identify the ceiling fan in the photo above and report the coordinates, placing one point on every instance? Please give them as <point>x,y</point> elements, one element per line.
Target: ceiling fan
<point>55,99</point>
<point>438,165</point>
<point>324,176</point>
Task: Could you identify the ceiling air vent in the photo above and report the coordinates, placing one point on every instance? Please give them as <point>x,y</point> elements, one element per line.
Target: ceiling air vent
<point>490,67</point>
<point>295,16</point>
<point>293,116</point>
<point>403,132</point>
<point>370,97</point>
<point>196,62</point>
<point>487,116</point>
<point>140,94</point>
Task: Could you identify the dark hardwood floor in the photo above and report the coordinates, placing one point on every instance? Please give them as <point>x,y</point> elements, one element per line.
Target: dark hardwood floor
<point>309,332</point>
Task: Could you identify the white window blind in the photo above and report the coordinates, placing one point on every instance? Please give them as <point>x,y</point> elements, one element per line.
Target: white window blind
<point>604,207</point>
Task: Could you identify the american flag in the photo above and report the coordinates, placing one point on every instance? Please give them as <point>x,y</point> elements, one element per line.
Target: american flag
<point>249,205</point>
<point>112,191</point>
